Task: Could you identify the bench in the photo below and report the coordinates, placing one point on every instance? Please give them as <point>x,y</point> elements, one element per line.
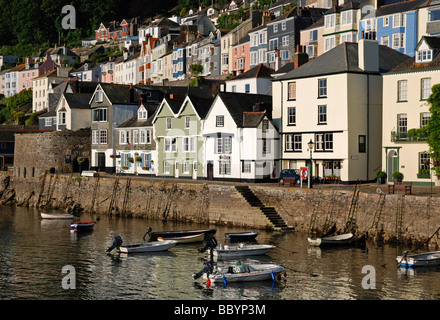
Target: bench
<point>89,174</point>
<point>400,186</point>
<point>289,180</point>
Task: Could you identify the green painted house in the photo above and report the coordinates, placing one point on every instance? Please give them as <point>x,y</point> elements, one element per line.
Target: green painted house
<point>178,135</point>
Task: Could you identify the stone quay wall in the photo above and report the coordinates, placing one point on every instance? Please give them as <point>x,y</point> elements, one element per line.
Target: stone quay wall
<point>386,218</point>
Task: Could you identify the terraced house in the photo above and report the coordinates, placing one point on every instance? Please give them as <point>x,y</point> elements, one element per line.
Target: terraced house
<point>177,130</point>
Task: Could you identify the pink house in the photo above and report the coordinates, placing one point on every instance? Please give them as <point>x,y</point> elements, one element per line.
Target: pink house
<point>33,70</point>
<point>240,56</point>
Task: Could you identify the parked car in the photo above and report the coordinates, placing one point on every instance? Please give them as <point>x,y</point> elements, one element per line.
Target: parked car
<point>290,173</point>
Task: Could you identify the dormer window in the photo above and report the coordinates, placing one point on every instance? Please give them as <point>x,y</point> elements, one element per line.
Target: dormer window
<point>142,113</point>
<point>424,56</point>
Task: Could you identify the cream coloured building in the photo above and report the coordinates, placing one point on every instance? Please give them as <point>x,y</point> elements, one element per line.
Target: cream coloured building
<point>335,102</point>
<point>43,85</point>
<point>406,89</point>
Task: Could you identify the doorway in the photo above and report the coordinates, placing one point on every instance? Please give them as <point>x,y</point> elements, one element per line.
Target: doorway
<point>392,164</point>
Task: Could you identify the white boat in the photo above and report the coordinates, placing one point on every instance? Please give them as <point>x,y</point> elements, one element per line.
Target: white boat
<point>426,259</point>
<point>241,273</point>
<point>154,246</point>
<point>186,239</point>
<point>341,239</point>
<point>225,251</point>
<point>56,215</point>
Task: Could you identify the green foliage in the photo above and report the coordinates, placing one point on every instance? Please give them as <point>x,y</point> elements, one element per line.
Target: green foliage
<point>228,21</point>
<point>381,174</point>
<point>433,128</point>
<point>12,104</point>
<point>196,69</point>
<point>397,175</point>
<point>32,120</point>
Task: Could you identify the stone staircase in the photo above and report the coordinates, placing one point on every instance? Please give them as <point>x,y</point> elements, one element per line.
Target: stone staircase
<point>269,212</point>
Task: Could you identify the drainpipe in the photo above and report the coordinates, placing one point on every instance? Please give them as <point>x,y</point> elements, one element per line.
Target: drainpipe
<point>368,126</point>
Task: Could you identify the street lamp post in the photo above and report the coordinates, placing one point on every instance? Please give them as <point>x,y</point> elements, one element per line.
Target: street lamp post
<point>310,144</point>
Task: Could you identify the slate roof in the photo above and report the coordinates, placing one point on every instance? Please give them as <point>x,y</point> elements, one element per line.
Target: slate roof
<point>133,122</point>
<point>342,59</point>
<point>202,105</point>
<point>238,103</point>
<point>259,71</point>
<point>120,93</point>
<point>78,100</point>
<point>252,119</point>
<point>400,7</point>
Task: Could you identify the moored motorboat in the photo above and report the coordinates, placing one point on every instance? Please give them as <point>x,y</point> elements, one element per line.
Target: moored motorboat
<point>153,246</point>
<point>56,215</point>
<point>240,273</point>
<point>186,239</point>
<point>342,239</point>
<point>426,259</point>
<point>179,233</point>
<point>82,226</point>
<point>225,251</point>
<point>241,236</point>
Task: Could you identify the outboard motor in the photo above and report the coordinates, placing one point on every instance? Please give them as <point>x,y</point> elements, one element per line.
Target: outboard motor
<point>147,232</point>
<point>76,210</point>
<point>211,243</point>
<point>117,241</point>
<point>207,268</point>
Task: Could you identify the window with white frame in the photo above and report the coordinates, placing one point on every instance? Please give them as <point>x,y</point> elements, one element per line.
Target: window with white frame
<point>370,24</point>
<point>310,50</point>
<point>266,144</point>
<point>322,88</point>
<point>284,54</point>
<point>273,44</point>
<point>346,37</point>
<point>99,115</point>
<point>346,17</point>
<point>322,114</point>
<point>99,96</point>
<point>424,118</point>
<point>424,56</point>
<point>62,118</point>
<point>313,35</point>
<point>434,15</point>
<point>135,136</point>
<point>223,145</point>
<point>103,137</point>
<point>254,58</point>
<point>329,43</point>
<point>225,167</point>
<point>398,40</point>
<point>324,141</point>
<point>219,121</point>
<point>291,90</point>
<point>283,25</point>
<point>398,20</point>
<point>95,136</point>
<point>168,123</point>
<point>246,166</point>
<point>385,41</point>
<point>402,125</point>
<point>122,137</point>
<point>166,167</point>
<point>48,122</point>
<point>285,41</point>
<point>142,114</point>
<point>424,162</point>
<point>275,27</point>
<point>262,56</point>
<point>186,167</point>
<point>386,21</point>
<point>288,146</point>
<point>187,122</point>
<point>291,116</point>
<point>330,21</point>
<point>402,88</point>
<point>425,85</point>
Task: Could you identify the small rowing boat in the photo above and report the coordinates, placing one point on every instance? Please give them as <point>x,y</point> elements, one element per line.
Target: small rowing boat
<point>342,239</point>
<point>426,259</point>
<point>241,236</point>
<point>175,234</point>
<point>240,273</point>
<point>154,246</point>
<point>82,226</point>
<point>56,215</point>
<point>186,239</point>
<point>226,251</point>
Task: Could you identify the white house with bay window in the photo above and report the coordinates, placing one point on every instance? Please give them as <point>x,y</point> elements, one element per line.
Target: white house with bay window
<point>337,107</point>
<point>241,141</point>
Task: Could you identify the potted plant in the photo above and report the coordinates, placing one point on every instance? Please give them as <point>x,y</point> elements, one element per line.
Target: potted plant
<point>124,167</point>
<point>397,176</point>
<point>138,159</point>
<point>130,159</point>
<point>381,177</point>
<point>146,168</point>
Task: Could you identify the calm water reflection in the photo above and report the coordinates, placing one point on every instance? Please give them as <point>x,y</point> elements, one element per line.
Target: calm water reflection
<point>34,251</point>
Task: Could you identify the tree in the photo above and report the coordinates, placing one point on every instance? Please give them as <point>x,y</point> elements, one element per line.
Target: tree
<point>433,128</point>
<point>196,69</point>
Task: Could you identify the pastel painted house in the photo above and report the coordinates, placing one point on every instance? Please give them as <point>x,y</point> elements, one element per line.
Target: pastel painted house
<point>405,110</point>
<point>73,111</point>
<point>178,134</point>
<point>111,105</point>
<point>337,107</point>
<point>242,143</point>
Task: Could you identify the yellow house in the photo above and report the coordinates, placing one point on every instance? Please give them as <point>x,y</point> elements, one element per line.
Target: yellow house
<point>406,89</point>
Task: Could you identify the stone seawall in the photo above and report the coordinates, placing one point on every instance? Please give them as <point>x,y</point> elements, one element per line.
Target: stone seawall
<point>386,218</point>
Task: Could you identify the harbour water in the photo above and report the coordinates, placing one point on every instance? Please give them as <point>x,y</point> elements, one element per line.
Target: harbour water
<point>33,253</point>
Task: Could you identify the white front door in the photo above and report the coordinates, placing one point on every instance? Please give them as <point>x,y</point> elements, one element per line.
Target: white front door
<point>195,170</point>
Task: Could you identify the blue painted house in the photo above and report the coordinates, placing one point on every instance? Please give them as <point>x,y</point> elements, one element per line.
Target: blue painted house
<point>394,25</point>
<point>179,62</point>
<point>258,46</point>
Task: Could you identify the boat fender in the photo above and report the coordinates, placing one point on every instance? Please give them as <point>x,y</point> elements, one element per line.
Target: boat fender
<point>117,241</point>
<point>273,276</point>
<point>225,282</point>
